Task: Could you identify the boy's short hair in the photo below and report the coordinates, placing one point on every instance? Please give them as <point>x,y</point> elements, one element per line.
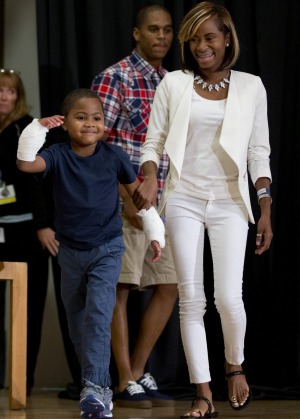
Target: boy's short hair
<point>75,95</point>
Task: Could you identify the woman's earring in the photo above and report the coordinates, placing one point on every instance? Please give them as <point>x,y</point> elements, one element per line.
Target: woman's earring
<point>227,45</point>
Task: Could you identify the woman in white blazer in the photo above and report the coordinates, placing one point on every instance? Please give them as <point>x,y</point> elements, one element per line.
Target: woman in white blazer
<point>212,121</point>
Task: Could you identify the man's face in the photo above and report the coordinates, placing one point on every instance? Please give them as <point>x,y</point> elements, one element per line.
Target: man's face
<point>154,37</point>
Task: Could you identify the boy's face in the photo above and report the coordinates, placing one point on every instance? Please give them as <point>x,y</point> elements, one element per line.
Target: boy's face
<point>85,125</point>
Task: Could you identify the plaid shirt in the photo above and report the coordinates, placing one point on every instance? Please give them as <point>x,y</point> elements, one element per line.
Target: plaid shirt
<point>127,90</point>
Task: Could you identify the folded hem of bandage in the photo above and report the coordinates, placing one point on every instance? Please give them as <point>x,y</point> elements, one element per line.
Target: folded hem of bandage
<point>153,225</point>
<point>31,141</point>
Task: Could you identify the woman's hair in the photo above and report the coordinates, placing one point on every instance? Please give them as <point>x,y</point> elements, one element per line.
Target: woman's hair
<point>75,95</point>
<point>9,78</point>
<point>191,23</point>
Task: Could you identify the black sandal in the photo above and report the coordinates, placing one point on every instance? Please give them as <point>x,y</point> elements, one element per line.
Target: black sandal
<point>208,413</point>
<point>233,399</point>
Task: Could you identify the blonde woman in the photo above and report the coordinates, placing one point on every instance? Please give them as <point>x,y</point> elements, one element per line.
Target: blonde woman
<point>19,204</point>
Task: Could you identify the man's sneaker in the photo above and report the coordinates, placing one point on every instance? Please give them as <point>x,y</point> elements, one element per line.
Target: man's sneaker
<point>133,396</point>
<point>95,401</point>
<point>149,385</point>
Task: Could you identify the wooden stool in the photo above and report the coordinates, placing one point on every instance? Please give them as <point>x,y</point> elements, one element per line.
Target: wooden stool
<point>16,272</point>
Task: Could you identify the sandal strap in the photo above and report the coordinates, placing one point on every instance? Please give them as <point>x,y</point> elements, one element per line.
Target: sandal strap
<point>198,398</point>
<point>233,373</point>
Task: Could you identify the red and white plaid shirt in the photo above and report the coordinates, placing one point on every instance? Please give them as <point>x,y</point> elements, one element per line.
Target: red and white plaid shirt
<point>127,90</point>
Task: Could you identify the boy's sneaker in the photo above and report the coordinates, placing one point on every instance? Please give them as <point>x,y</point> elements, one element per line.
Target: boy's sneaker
<point>95,401</point>
<point>133,396</point>
<point>149,385</point>
<point>108,395</point>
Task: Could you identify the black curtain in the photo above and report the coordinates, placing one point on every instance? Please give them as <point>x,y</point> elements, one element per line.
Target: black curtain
<point>79,38</point>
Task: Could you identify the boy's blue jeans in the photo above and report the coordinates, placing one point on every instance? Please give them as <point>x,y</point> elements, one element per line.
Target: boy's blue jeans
<point>88,284</point>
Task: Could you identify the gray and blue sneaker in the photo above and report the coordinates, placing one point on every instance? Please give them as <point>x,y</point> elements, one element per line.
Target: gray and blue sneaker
<point>107,412</point>
<point>95,401</point>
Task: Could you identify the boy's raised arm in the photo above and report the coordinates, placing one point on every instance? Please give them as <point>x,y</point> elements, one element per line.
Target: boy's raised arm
<point>31,141</point>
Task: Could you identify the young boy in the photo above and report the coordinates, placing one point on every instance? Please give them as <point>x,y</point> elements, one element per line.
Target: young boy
<point>86,173</point>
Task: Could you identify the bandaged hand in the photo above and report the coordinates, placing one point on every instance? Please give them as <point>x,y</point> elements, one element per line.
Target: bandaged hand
<point>34,135</point>
<point>31,140</point>
<point>153,225</point>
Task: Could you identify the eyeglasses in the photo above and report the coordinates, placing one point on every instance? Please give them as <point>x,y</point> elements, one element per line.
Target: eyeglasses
<point>9,71</point>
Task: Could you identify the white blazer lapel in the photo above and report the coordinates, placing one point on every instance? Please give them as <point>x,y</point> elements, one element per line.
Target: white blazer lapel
<point>231,129</point>
<point>179,120</point>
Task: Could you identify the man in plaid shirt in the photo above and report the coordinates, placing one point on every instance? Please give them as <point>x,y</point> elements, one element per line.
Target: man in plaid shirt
<point>127,89</point>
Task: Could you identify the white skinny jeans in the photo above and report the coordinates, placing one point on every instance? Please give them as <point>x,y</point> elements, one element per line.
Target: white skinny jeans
<point>226,222</point>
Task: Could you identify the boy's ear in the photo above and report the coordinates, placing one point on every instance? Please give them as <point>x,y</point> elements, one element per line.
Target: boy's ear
<point>64,127</point>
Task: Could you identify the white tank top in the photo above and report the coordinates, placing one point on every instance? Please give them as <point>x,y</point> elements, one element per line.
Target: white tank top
<point>207,172</point>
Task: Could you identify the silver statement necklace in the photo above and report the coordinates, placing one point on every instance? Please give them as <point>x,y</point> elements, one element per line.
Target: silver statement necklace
<point>199,80</point>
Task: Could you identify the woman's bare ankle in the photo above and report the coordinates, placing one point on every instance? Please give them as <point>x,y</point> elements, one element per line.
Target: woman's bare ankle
<point>232,367</point>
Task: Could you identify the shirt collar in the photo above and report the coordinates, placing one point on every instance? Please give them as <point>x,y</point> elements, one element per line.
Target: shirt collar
<point>144,68</point>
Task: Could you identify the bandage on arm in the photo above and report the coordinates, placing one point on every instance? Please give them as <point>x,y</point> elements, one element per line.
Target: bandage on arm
<point>31,140</point>
<point>153,225</point>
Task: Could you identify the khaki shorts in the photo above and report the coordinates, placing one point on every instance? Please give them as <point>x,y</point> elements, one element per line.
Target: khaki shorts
<point>137,270</point>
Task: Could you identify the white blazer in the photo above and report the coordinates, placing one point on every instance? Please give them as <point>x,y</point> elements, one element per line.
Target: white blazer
<point>244,135</point>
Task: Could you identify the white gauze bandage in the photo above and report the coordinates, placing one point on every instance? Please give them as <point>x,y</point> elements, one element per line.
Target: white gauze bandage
<point>153,225</point>
<point>31,140</point>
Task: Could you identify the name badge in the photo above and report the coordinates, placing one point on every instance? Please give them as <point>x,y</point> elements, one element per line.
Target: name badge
<point>7,194</point>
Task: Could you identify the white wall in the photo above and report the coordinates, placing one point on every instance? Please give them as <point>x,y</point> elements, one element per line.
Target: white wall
<point>20,46</point>
<point>20,54</point>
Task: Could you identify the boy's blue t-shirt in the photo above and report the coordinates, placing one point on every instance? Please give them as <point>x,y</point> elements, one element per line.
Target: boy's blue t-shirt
<point>85,191</point>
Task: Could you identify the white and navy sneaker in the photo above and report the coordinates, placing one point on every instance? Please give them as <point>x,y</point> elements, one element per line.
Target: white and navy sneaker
<point>133,396</point>
<point>151,390</point>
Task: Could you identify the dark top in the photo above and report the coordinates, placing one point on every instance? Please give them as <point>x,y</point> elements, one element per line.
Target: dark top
<point>25,184</point>
<point>85,191</point>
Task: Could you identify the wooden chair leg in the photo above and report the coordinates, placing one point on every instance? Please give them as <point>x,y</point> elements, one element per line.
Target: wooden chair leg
<point>16,272</point>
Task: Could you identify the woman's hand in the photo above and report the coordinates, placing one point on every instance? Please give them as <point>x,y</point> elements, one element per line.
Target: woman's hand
<point>146,193</point>
<point>264,228</point>
<point>264,235</point>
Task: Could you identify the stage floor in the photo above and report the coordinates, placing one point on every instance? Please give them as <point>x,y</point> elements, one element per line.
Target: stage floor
<point>44,404</point>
